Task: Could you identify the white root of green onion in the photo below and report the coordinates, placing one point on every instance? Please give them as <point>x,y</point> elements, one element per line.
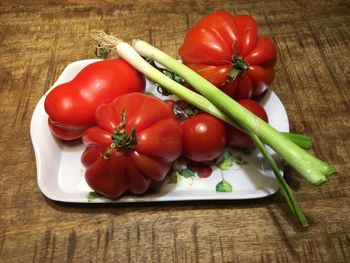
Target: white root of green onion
<point>313,169</point>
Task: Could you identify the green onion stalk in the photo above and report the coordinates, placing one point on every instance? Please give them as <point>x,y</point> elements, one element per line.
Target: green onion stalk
<point>286,191</point>
<point>217,103</point>
<point>192,97</point>
<point>313,169</point>
<point>301,140</point>
<point>109,42</point>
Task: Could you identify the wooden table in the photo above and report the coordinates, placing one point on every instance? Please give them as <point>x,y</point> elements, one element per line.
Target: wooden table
<point>38,40</point>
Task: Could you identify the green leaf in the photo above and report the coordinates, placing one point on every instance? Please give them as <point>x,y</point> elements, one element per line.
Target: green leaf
<point>172,177</point>
<point>223,186</point>
<point>226,162</point>
<point>92,195</point>
<point>239,160</point>
<point>187,173</point>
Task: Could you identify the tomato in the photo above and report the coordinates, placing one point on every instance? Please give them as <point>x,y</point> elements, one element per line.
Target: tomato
<point>71,106</point>
<point>227,51</point>
<point>170,102</point>
<point>134,144</point>
<point>202,169</point>
<point>238,138</point>
<point>204,137</point>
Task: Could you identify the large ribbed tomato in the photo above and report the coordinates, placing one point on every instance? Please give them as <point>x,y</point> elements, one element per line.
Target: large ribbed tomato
<point>134,144</point>
<point>71,106</point>
<point>227,51</point>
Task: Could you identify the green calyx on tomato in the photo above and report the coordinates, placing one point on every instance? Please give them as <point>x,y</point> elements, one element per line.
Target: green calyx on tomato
<point>121,139</point>
<point>238,66</point>
<point>184,110</point>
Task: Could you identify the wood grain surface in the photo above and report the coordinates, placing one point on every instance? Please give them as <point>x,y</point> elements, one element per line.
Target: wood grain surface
<point>39,38</point>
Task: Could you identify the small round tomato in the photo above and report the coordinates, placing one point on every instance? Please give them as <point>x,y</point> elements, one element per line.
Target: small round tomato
<point>238,138</point>
<point>203,170</point>
<point>204,137</point>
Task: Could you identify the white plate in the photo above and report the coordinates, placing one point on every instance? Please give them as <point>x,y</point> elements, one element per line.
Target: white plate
<point>60,174</point>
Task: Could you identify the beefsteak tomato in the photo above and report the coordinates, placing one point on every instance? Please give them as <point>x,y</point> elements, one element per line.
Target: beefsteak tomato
<point>71,106</point>
<point>238,138</point>
<point>134,144</point>
<point>227,51</point>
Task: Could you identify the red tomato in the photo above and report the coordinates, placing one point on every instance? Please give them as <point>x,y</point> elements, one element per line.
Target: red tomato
<point>71,106</point>
<point>204,137</point>
<point>170,103</point>
<point>227,51</point>
<point>133,145</point>
<point>203,170</point>
<point>238,138</point>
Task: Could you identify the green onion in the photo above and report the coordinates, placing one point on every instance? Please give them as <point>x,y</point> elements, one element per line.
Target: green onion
<point>128,53</point>
<point>313,169</point>
<point>301,140</point>
<point>286,191</point>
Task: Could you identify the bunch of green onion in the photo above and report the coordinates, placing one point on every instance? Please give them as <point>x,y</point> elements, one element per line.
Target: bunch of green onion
<point>217,103</point>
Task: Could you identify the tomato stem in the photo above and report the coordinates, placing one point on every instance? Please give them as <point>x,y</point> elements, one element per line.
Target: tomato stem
<point>120,137</point>
<point>239,65</point>
<point>184,110</point>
